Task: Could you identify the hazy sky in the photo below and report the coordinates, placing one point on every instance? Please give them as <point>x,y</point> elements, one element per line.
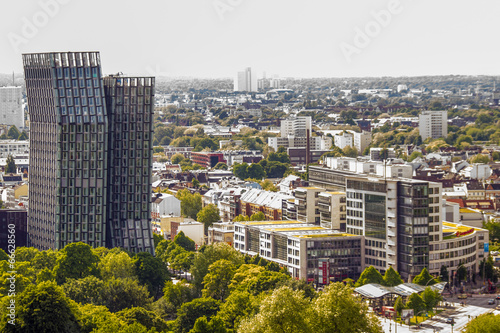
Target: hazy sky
<point>217,38</point>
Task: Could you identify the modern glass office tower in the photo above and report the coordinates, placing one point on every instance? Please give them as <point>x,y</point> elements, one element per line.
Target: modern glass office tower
<point>75,141</point>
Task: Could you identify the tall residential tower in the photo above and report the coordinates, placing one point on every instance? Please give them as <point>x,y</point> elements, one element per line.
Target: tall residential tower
<point>90,156</point>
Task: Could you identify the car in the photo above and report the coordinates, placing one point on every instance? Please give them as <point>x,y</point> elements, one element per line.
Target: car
<point>449,320</point>
<point>498,296</point>
<point>498,307</point>
<point>491,301</point>
<point>462,296</point>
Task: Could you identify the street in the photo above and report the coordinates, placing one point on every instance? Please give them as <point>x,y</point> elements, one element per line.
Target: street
<point>461,315</point>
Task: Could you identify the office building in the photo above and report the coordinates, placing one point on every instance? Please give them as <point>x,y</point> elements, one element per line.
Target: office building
<point>308,251</point>
<point>246,80</point>
<point>90,153</point>
<point>11,107</point>
<point>332,210</point>
<point>433,124</point>
<point>207,159</point>
<point>306,199</point>
<point>315,142</point>
<point>14,147</point>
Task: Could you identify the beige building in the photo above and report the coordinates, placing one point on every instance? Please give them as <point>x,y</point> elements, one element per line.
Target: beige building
<point>332,210</point>
<point>307,202</point>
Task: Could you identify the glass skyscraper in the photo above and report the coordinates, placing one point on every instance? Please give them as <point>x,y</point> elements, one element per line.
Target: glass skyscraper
<point>90,153</point>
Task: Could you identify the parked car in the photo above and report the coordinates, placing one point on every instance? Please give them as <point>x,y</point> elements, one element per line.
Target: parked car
<point>498,296</point>
<point>491,301</point>
<point>462,296</point>
<point>449,320</point>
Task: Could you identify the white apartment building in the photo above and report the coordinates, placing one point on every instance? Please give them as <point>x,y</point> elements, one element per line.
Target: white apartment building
<point>343,140</point>
<point>11,107</point>
<point>164,204</point>
<point>361,140</point>
<point>315,142</point>
<point>433,124</point>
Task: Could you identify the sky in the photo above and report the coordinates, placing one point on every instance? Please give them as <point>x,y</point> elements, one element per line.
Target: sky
<point>288,38</point>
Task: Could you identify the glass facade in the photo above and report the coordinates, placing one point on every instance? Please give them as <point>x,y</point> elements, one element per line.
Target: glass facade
<point>73,140</point>
<point>413,228</point>
<point>375,225</point>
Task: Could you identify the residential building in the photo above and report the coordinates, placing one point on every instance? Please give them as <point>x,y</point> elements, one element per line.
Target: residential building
<point>90,153</point>
<point>192,229</point>
<point>13,225</point>
<point>207,159</point>
<point>11,107</point>
<point>343,140</point>
<point>247,113</point>
<point>433,124</point>
<point>242,156</point>
<point>246,80</point>
<point>270,203</point>
<point>171,151</point>
<point>332,210</point>
<point>376,154</point>
<point>13,147</point>
<point>315,142</point>
<point>361,140</point>
<point>308,251</point>
<point>163,204</point>
<point>298,156</point>
<point>479,171</point>
<point>297,127</point>
<point>221,232</point>
<point>307,202</point>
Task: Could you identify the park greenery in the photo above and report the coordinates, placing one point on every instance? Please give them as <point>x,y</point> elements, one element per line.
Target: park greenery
<point>80,289</point>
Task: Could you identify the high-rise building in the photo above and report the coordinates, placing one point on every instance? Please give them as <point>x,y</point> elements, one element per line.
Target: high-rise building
<point>295,127</point>
<point>246,80</point>
<point>90,153</point>
<point>11,107</point>
<point>433,124</point>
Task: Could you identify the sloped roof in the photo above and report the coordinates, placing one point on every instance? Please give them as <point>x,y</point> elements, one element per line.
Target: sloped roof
<point>374,290</point>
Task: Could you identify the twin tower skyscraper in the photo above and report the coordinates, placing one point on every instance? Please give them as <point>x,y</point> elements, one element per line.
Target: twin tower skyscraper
<point>90,153</point>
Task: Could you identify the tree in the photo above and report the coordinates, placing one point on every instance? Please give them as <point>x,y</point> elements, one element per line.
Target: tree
<point>240,170</point>
<point>337,310</point>
<point>216,282</point>
<point>480,158</point>
<point>215,325</point>
<point>185,242</point>
<point>211,254</point>
<point>444,273</point>
<point>431,298</point>
<point>350,151</point>
<point>369,275</point>
<point>13,133</point>
<point>78,261</point>
<point>255,171</point>
<point>414,155</point>
<point>146,318</point>
<point>118,265</point>
<point>120,294</point>
<point>285,310</point>
<point>158,149</point>
<point>268,186</point>
<point>196,182</point>
<point>179,293</point>
<point>86,290</point>
<point>44,309</point>
<point>239,305</point>
<point>176,158</point>
<point>10,166</point>
<point>392,278</point>
<point>461,272</point>
<point>221,166</point>
<point>151,271</point>
<point>208,215</point>
<point>424,278</point>
<point>493,227</point>
<point>191,311</point>
<point>259,216</point>
<point>23,136</point>
<point>190,203</point>
<point>485,323</point>
<point>398,305</point>
<point>416,303</point>
<point>487,270</point>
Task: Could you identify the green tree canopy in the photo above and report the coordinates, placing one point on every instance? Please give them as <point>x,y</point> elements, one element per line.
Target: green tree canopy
<point>120,294</point>
<point>480,158</point>
<point>118,265</point>
<point>87,290</point>
<point>185,242</point>
<point>176,158</point>
<point>10,166</point>
<point>216,282</point>
<point>369,275</point>
<point>191,311</point>
<point>23,136</point>
<point>424,278</point>
<point>221,166</point>
<point>392,278</point>
<point>78,261</point>
<point>431,298</point>
<point>485,323</point>
<point>208,215</point>
<point>151,271</point>
<point>179,293</point>
<point>13,133</point>
<point>336,310</point>
<point>259,216</point>
<point>416,303</point>
<point>399,305</point>
<point>146,318</point>
<point>444,273</point>
<point>190,203</point>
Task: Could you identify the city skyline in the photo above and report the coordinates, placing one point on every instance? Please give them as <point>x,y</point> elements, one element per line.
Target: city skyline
<point>218,38</point>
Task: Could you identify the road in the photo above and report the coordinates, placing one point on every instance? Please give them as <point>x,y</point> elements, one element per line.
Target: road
<point>461,315</point>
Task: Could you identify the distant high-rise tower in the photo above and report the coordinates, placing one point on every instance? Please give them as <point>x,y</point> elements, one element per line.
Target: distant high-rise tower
<point>90,146</point>
<point>433,124</point>
<point>246,81</point>
<point>11,107</point>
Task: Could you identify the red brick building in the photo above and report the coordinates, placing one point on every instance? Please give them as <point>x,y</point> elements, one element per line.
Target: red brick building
<point>207,159</point>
